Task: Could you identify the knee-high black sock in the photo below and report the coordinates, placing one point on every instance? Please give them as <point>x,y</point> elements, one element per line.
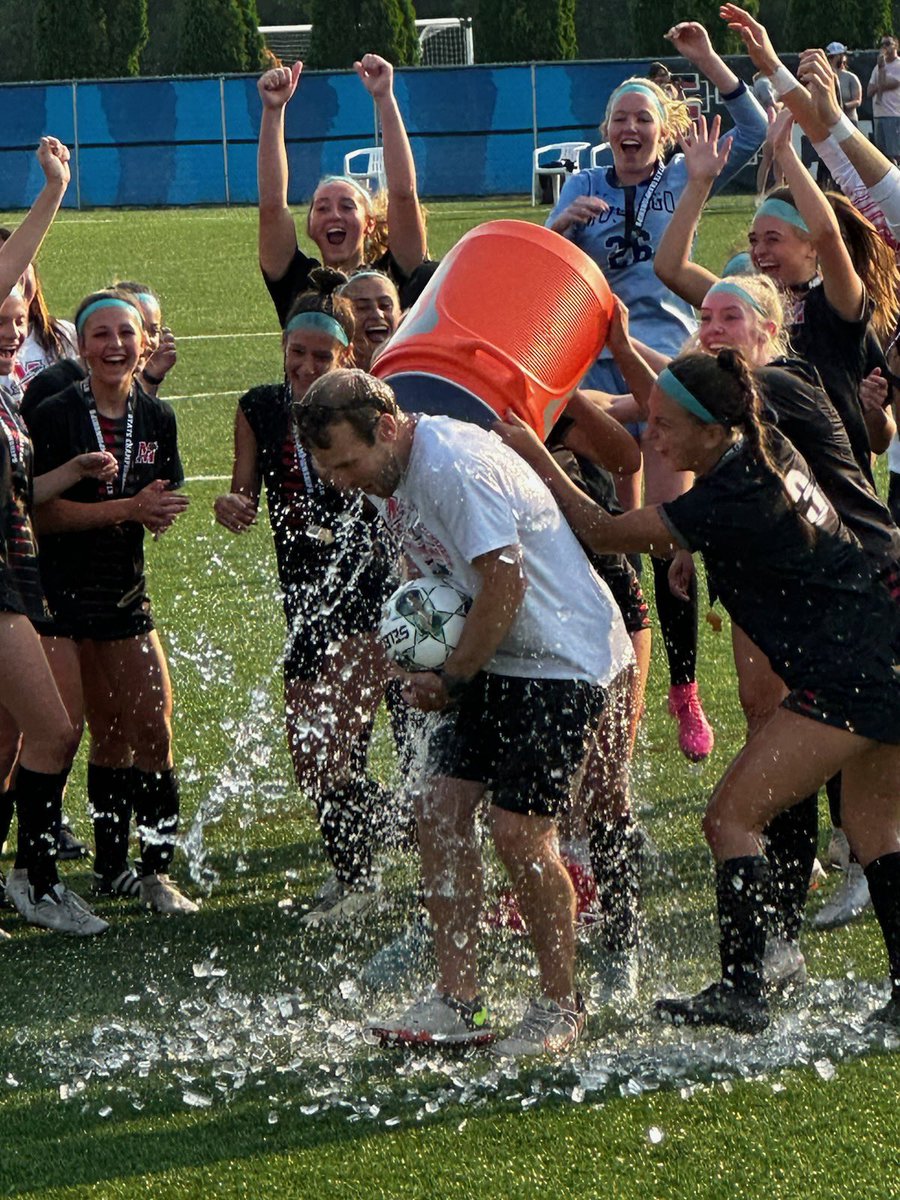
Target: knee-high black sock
<point>616,863</point>
<point>741,893</point>
<point>7,809</point>
<point>156,811</point>
<point>110,791</point>
<point>883,875</point>
<point>345,822</point>
<point>678,622</point>
<point>39,810</point>
<point>791,841</point>
<point>833,788</point>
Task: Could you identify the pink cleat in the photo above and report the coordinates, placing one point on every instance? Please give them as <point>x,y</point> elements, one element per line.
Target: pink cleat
<point>695,735</point>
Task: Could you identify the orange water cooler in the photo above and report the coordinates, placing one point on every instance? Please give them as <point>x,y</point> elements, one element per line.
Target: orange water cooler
<point>512,319</point>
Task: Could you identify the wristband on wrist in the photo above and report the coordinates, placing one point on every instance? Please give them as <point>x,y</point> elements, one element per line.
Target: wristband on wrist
<point>153,380</point>
<point>783,81</point>
<point>842,129</point>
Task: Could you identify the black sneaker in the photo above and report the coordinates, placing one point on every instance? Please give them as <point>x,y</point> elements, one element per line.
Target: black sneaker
<point>68,846</point>
<point>719,1004</point>
<point>124,883</point>
<point>888,1015</point>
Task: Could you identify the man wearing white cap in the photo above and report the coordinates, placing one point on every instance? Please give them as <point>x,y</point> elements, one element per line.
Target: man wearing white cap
<point>849,84</point>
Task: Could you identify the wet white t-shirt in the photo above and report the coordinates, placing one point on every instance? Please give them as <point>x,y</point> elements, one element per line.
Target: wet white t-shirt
<point>466,494</point>
<point>32,357</point>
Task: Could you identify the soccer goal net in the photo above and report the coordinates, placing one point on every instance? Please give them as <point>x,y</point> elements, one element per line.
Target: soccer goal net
<point>445,41</point>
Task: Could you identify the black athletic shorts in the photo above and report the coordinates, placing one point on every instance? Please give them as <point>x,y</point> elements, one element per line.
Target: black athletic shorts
<point>309,634</point>
<point>133,618</point>
<point>523,738</point>
<point>870,708</point>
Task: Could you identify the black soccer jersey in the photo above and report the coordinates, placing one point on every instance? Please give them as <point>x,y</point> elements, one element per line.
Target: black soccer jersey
<point>324,545</point>
<point>295,280</point>
<point>787,570</point>
<point>89,575</point>
<point>841,352</point>
<point>802,411</point>
<point>20,585</point>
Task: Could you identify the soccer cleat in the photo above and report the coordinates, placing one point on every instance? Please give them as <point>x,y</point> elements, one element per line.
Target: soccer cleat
<point>60,910</point>
<point>848,903</point>
<point>719,1004</point>
<point>784,966</point>
<point>695,734</point>
<point>838,850</point>
<point>68,847</point>
<point>546,1028</point>
<point>889,1014</point>
<point>337,902</point>
<point>159,893</point>
<point>394,967</point>
<point>439,1020</point>
<point>126,883</point>
<point>17,887</point>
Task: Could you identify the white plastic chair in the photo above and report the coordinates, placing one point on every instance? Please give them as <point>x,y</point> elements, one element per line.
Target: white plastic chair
<point>596,151</point>
<point>558,152</point>
<point>366,164</point>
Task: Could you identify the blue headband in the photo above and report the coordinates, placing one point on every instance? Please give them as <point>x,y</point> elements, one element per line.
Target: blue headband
<point>735,289</point>
<point>319,321</point>
<point>783,211</point>
<point>106,302</point>
<point>644,90</point>
<point>148,298</point>
<point>678,392</point>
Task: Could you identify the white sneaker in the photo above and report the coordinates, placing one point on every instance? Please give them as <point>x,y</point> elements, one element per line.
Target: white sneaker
<point>838,850</point>
<point>850,902</point>
<point>63,911</point>
<point>160,893</point>
<point>784,966</point>
<point>17,888</point>
<point>338,904</point>
<point>436,1019</point>
<point>546,1028</point>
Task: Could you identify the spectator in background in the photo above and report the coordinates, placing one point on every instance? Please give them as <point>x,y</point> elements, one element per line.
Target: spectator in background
<point>849,85</point>
<point>884,92</point>
<point>660,74</point>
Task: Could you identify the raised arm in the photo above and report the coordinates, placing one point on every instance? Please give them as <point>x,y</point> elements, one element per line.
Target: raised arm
<point>24,242</point>
<point>843,287</point>
<point>691,39</point>
<point>277,233</point>
<point>705,157</point>
<point>406,225</point>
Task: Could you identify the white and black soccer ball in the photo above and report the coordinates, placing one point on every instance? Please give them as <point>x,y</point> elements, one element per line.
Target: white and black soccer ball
<point>422,622</point>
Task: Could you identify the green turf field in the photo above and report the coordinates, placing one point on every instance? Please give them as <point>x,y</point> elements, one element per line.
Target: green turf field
<point>220,1056</point>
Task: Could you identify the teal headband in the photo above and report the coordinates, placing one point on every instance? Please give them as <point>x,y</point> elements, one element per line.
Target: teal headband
<point>735,289</point>
<point>783,211</point>
<point>107,302</point>
<point>148,298</point>
<point>644,91</point>
<point>678,392</point>
<point>363,275</point>
<point>319,321</point>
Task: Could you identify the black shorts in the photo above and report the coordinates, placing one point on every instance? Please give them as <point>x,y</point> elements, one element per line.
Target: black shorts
<point>869,707</point>
<point>313,626</point>
<point>523,738</point>
<point>133,619</point>
<point>622,580</point>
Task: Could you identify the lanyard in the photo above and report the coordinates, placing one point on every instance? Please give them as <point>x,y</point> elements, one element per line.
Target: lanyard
<point>12,429</point>
<point>128,448</point>
<point>648,195</point>
<point>311,482</point>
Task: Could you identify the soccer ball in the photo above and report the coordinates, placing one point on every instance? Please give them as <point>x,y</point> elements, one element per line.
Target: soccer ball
<point>422,622</point>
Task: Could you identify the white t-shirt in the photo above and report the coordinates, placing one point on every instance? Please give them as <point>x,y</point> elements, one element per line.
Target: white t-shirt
<point>889,103</point>
<point>465,494</point>
<point>893,454</point>
<point>32,356</point>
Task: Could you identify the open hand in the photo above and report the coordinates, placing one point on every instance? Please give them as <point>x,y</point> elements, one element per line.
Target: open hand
<point>691,40</point>
<point>705,156</point>
<point>235,512</point>
<point>754,35</point>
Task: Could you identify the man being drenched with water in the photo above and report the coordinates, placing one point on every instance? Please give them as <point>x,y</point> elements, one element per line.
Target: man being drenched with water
<point>514,701</point>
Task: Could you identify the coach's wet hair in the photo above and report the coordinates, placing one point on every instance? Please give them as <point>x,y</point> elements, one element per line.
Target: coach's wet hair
<point>725,386</point>
<point>323,297</point>
<point>346,394</point>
